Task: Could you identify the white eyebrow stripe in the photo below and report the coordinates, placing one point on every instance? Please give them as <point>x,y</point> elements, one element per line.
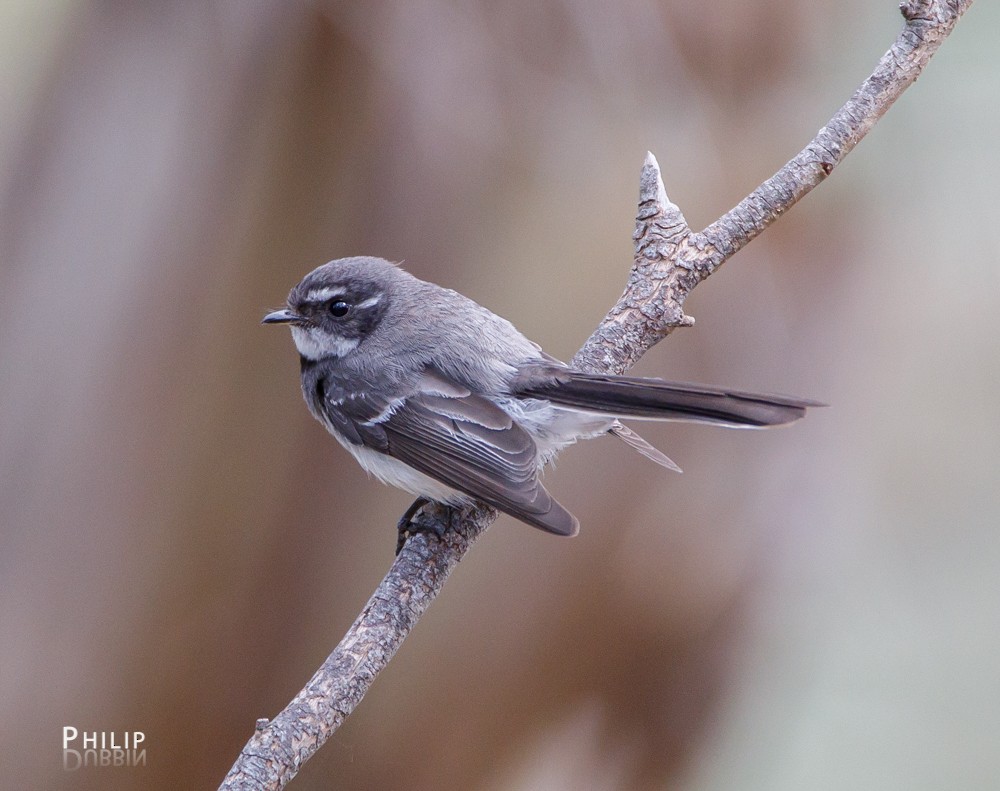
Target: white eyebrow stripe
<point>325,293</point>
<point>370,302</point>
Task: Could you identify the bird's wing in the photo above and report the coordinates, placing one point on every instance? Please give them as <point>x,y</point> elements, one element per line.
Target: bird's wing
<point>456,437</point>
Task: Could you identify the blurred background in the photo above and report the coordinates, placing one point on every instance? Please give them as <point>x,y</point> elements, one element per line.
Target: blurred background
<point>181,544</point>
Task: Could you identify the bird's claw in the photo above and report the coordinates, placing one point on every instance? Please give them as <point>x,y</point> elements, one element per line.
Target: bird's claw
<point>407,526</point>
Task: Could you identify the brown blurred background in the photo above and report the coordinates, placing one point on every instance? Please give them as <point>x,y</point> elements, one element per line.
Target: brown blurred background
<point>181,544</point>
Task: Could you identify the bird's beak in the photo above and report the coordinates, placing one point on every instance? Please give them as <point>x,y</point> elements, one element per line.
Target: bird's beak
<point>284,316</point>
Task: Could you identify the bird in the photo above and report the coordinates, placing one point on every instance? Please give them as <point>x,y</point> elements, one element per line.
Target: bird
<point>437,395</point>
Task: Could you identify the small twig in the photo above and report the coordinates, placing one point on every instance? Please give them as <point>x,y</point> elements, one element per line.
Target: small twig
<point>670,260</point>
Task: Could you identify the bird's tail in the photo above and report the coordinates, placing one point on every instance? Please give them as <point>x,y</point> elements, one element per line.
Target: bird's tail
<point>656,399</point>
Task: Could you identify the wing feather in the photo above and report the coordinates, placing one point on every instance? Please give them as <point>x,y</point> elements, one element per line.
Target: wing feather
<point>462,440</point>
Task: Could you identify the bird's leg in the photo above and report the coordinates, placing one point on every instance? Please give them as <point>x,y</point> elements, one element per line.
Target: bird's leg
<point>405,527</point>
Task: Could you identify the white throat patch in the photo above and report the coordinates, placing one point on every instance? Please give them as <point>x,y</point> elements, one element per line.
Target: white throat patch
<point>314,345</point>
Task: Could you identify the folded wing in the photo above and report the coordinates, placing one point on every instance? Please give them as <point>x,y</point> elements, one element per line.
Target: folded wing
<point>460,439</point>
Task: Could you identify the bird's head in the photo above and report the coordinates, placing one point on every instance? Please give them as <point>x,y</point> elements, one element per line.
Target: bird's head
<point>337,306</point>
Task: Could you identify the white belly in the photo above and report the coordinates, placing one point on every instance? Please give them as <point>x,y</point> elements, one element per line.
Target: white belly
<point>402,476</point>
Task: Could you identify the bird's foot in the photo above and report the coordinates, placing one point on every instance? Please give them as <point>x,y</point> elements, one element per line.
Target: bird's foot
<point>407,526</point>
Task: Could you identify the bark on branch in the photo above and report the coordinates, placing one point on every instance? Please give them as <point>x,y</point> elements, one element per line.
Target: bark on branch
<point>670,260</point>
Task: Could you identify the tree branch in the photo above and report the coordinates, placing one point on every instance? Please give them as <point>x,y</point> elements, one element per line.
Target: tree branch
<point>670,260</point>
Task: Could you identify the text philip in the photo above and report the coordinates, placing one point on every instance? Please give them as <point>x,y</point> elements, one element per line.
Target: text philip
<point>102,748</point>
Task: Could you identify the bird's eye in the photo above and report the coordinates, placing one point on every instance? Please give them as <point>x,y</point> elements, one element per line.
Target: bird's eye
<point>338,308</point>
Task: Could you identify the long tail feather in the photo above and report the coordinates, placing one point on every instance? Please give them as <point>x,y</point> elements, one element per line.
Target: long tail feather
<point>660,400</point>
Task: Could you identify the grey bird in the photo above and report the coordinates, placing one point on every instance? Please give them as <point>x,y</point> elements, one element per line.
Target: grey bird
<point>435,394</point>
